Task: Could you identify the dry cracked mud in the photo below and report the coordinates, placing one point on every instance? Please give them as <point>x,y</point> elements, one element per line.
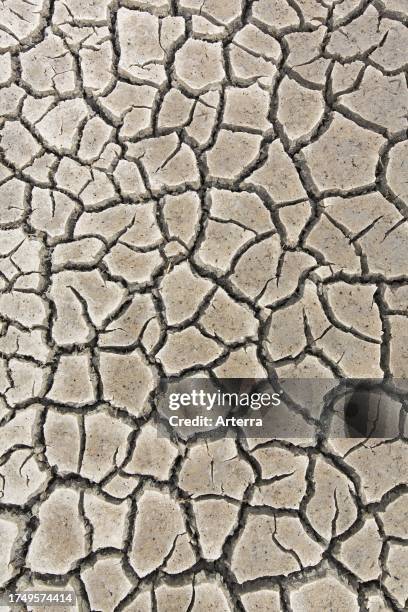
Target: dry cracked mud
<point>195,187</point>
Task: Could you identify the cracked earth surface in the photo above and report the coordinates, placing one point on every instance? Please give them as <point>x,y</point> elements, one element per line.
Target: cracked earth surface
<point>200,186</point>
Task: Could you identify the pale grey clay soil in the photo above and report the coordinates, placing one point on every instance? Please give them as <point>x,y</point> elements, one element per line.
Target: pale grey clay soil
<point>195,187</point>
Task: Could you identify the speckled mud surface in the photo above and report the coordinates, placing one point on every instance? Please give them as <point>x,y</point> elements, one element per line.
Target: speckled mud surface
<point>196,186</point>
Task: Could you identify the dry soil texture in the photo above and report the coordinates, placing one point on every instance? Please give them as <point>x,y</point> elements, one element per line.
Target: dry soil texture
<point>193,186</point>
